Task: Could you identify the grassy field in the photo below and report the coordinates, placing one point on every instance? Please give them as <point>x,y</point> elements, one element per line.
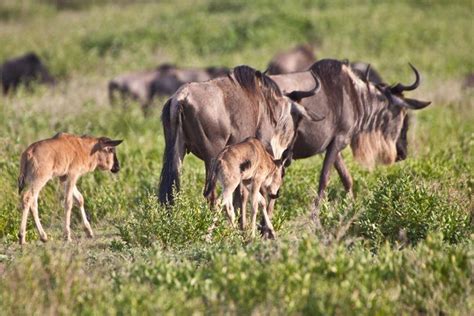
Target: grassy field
<point>403,246</point>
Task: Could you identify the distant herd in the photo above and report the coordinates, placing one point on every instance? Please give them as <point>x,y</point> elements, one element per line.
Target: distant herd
<point>246,125</point>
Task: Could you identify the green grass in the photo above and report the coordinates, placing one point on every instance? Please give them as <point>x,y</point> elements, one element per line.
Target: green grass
<point>404,245</point>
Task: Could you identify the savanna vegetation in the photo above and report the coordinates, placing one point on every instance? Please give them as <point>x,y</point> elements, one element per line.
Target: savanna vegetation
<point>404,245</point>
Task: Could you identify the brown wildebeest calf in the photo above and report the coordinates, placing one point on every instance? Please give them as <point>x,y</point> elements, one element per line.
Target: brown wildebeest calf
<point>250,164</point>
<point>68,157</point>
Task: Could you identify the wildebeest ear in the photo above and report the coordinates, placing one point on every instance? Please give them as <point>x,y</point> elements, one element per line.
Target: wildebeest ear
<point>416,104</point>
<point>286,157</point>
<point>297,96</point>
<point>300,112</point>
<point>110,142</point>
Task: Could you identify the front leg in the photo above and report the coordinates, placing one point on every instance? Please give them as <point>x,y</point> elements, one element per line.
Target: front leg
<point>330,158</point>
<point>254,200</point>
<point>344,174</point>
<point>244,192</point>
<point>68,201</point>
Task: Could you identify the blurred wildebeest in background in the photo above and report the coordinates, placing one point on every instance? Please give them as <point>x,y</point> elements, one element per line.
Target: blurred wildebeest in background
<point>204,117</point>
<point>299,58</point>
<point>367,116</point>
<point>136,86</point>
<point>23,70</point>
<point>468,81</point>
<point>163,81</point>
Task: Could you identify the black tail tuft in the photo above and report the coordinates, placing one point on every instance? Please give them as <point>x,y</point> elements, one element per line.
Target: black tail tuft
<point>174,153</point>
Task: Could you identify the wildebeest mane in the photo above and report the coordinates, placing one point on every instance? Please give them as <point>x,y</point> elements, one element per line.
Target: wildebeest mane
<point>267,91</point>
<point>247,78</point>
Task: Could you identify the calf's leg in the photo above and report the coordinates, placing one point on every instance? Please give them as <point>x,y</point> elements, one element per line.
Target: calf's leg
<point>270,232</point>
<point>26,201</point>
<point>34,211</point>
<point>79,199</point>
<point>68,201</point>
<point>254,200</point>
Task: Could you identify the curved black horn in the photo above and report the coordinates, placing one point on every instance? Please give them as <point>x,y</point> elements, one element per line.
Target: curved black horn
<point>399,88</point>
<point>266,71</point>
<point>367,73</point>
<point>298,95</point>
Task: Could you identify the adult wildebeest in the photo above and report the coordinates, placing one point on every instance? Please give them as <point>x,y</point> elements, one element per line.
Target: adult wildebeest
<point>204,117</point>
<point>359,113</point>
<point>299,58</point>
<point>365,72</point>
<point>144,86</point>
<point>68,157</point>
<point>23,70</point>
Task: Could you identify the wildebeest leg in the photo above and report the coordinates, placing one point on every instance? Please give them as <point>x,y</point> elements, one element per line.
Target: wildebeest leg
<point>68,201</point>
<point>255,191</point>
<point>343,174</point>
<point>34,211</point>
<point>79,199</point>
<point>264,229</point>
<point>270,232</point>
<point>26,201</point>
<point>329,160</point>
<point>243,199</point>
<point>227,202</point>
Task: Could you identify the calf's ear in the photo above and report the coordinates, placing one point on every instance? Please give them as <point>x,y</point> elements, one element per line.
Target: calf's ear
<point>110,143</point>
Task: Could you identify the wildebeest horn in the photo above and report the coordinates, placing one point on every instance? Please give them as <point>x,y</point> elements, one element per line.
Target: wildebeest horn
<point>399,88</point>
<point>266,70</point>
<point>298,95</point>
<point>367,73</point>
<point>416,104</point>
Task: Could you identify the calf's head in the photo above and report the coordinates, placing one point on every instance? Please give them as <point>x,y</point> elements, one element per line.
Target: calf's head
<point>106,155</point>
<point>275,180</point>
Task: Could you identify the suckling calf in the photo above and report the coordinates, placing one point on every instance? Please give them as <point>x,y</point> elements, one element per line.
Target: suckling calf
<point>68,157</point>
<point>250,164</point>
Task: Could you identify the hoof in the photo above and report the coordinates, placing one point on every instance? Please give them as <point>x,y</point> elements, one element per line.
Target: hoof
<point>44,238</point>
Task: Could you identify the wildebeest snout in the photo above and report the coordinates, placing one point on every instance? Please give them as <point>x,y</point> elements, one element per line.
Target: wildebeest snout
<point>116,165</point>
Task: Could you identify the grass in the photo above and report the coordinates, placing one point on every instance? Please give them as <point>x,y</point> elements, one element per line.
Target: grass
<point>403,246</point>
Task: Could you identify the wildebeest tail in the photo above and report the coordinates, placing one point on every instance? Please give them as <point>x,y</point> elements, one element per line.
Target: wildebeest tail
<point>173,155</point>
<point>21,177</point>
<point>211,179</point>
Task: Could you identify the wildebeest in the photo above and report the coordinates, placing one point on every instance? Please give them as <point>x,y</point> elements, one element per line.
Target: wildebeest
<point>203,118</point>
<point>137,86</point>
<point>359,113</point>
<point>299,58</point>
<point>144,86</point>
<point>250,165</point>
<point>23,70</point>
<point>68,157</point>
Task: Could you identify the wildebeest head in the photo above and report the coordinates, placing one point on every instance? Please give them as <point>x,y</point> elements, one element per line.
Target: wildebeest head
<point>106,154</point>
<point>285,112</point>
<point>385,140</point>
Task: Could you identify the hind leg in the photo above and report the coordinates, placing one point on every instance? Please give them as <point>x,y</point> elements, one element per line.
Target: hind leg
<point>79,199</point>
<point>26,201</point>
<point>68,201</point>
<point>228,203</point>
<point>34,212</point>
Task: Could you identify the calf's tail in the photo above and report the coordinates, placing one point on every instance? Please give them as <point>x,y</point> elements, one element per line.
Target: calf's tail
<point>22,176</point>
<point>211,179</point>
